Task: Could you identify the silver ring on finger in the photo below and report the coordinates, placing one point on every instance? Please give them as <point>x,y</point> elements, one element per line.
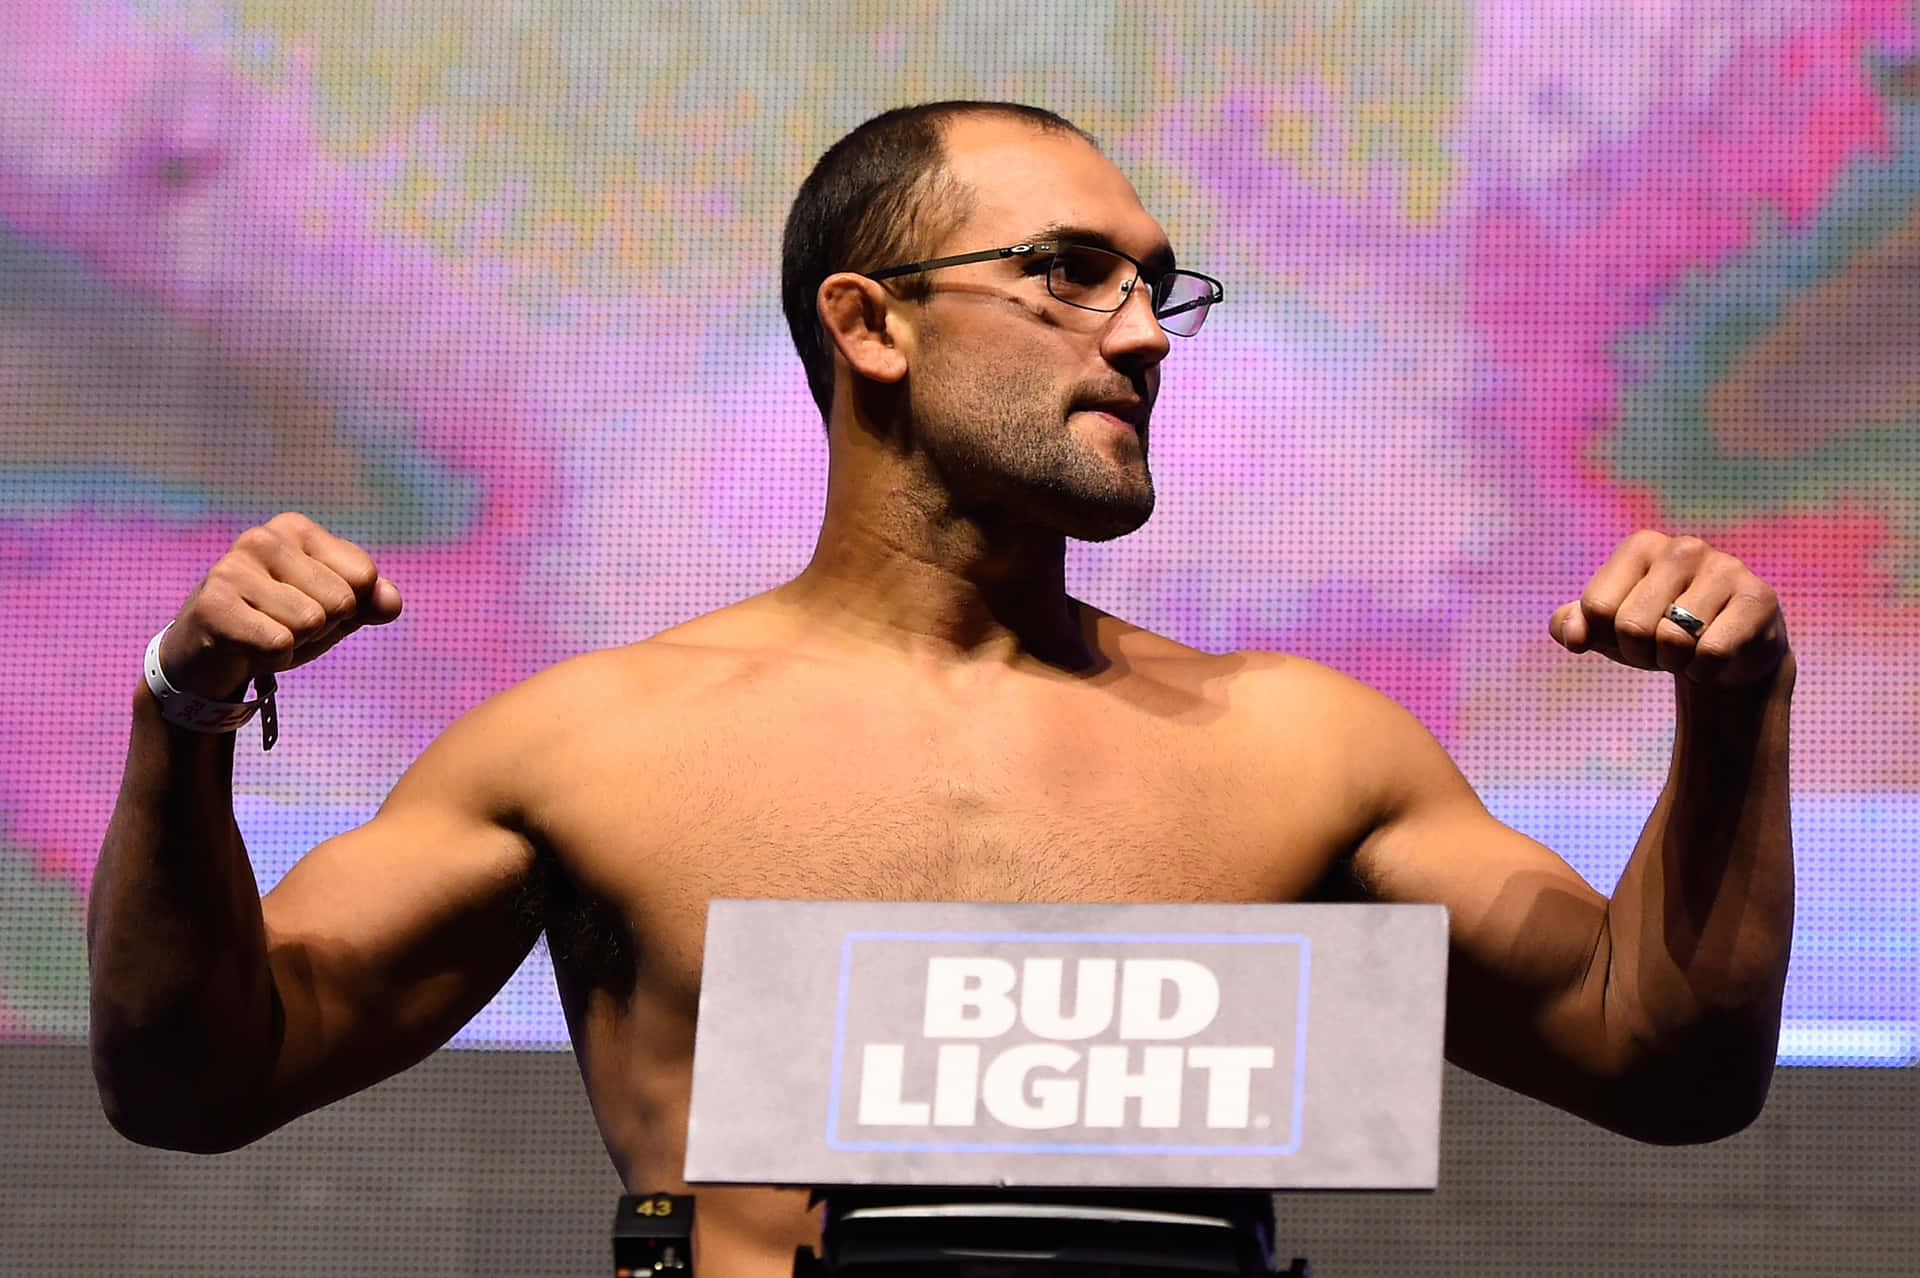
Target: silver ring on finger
<point>1685,620</point>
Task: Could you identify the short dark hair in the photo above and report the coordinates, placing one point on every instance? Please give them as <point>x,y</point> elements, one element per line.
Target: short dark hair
<point>880,196</point>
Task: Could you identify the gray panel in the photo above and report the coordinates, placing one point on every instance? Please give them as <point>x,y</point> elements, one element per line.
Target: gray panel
<point>469,1163</point>
<point>487,1162</point>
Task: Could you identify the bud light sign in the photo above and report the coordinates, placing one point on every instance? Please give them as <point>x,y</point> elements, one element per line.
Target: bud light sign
<point>1000,1044</point>
<point>1013,1042</point>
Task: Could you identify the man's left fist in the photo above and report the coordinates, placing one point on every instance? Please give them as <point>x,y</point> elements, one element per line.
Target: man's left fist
<point>1622,614</point>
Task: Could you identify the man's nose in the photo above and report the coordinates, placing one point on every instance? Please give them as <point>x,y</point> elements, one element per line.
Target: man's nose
<point>1134,335</point>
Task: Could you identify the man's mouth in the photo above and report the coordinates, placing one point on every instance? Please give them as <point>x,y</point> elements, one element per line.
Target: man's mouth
<point>1129,413</point>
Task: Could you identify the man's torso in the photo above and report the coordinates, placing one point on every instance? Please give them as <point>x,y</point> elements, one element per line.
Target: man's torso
<point>711,766</point>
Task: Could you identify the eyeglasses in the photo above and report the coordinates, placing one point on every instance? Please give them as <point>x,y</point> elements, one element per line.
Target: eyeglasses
<point>1097,279</point>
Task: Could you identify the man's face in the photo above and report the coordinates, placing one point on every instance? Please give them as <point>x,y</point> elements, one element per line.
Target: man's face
<point>1036,411</point>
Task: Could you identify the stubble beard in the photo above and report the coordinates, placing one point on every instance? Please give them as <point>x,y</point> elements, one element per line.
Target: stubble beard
<point>1007,449</point>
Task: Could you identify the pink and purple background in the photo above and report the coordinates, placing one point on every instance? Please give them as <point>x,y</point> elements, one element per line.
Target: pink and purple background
<point>493,291</point>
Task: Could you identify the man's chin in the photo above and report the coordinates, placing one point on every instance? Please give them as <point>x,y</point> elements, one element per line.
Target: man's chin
<point>1106,521</point>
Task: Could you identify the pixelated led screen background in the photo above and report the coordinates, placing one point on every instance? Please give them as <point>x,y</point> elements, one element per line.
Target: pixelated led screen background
<point>492,289</point>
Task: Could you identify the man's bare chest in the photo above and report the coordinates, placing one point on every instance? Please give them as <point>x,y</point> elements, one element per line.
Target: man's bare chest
<point>811,801</point>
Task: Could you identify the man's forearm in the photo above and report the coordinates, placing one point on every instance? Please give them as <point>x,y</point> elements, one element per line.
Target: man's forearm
<point>1699,928</point>
<point>183,1015</point>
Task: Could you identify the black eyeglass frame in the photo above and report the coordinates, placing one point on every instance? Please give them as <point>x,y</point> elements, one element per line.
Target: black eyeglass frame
<point>1217,292</point>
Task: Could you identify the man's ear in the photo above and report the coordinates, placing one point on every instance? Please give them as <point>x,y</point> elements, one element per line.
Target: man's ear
<point>861,320</point>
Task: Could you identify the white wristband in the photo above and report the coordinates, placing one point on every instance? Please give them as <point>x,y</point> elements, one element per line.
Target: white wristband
<point>196,713</point>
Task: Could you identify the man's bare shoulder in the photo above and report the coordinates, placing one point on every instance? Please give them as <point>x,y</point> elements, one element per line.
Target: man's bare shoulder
<point>1258,682</point>
<point>1304,716</point>
<point>685,660</point>
<point>563,699</point>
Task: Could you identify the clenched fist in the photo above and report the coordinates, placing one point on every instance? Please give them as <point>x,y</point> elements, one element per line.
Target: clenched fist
<point>284,593</point>
<point>1741,637</point>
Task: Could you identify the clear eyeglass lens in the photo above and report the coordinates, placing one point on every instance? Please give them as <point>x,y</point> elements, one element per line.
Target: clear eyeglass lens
<point>1098,280</point>
<point>1090,277</point>
<point>1183,302</point>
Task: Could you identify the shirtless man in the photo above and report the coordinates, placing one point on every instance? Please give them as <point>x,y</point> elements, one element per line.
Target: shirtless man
<point>923,713</point>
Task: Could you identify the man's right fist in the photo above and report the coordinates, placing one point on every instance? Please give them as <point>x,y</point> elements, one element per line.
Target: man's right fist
<point>283,594</point>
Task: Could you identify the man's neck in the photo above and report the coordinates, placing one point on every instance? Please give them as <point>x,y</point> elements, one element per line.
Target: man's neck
<point>941,584</point>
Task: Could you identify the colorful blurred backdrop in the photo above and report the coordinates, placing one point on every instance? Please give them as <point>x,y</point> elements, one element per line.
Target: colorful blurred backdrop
<point>493,290</point>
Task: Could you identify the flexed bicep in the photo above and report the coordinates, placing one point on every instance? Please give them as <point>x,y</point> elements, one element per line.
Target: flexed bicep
<point>385,940</point>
